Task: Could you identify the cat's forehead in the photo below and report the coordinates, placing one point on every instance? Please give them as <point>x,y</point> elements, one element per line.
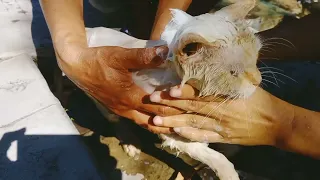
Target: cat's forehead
<point>213,27</point>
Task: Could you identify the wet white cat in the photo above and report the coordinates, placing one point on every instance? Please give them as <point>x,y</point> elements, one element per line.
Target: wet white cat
<point>216,53</point>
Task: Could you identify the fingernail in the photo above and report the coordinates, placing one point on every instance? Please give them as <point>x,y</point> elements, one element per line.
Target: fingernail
<point>162,52</point>
<point>177,130</point>
<point>175,92</point>
<point>155,97</point>
<point>157,120</point>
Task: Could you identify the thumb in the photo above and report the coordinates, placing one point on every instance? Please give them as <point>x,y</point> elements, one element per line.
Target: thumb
<point>141,58</point>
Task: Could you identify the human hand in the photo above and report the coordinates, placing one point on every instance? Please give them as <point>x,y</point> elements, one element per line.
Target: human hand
<point>105,74</point>
<point>261,119</point>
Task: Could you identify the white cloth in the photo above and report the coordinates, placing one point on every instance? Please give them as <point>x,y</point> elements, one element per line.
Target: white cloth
<point>37,138</point>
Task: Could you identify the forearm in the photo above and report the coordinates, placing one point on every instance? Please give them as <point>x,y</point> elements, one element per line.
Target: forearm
<point>303,34</point>
<point>163,15</point>
<point>296,129</point>
<point>305,134</point>
<point>65,22</point>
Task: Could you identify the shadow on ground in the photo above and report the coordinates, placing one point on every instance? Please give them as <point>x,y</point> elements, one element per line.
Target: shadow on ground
<point>62,157</point>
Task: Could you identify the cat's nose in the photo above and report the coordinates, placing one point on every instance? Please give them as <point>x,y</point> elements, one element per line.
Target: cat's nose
<point>254,76</point>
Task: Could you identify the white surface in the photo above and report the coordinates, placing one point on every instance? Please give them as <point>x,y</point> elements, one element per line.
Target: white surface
<point>15,28</point>
<point>25,98</point>
<point>23,90</point>
<point>32,120</point>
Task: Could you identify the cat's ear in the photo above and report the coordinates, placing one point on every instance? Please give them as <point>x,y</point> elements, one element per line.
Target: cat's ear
<point>178,19</point>
<point>238,10</point>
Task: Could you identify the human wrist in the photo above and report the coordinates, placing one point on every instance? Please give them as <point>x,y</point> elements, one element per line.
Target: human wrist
<point>280,115</point>
<point>284,119</point>
<point>305,136</point>
<point>68,46</point>
<point>66,37</point>
<point>65,22</point>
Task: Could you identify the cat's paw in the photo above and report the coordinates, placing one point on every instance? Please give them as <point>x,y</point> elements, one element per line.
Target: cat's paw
<point>131,150</point>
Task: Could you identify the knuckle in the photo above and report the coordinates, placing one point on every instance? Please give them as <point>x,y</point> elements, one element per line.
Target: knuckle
<point>193,105</point>
<point>204,138</point>
<point>192,121</point>
<point>153,129</point>
<point>112,58</point>
<point>194,137</point>
<point>164,110</point>
<point>161,111</point>
<point>143,125</point>
<point>142,56</point>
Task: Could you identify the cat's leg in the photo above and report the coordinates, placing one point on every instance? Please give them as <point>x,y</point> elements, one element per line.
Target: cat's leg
<point>179,177</point>
<point>129,141</point>
<point>201,152</point>
<point>124,130</point>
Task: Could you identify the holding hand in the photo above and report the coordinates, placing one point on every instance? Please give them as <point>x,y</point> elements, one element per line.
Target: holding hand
<point>262,119</point>
<point>105,74</point>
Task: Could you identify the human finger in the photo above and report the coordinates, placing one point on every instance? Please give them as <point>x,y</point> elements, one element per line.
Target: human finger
<point>206,136</point>
<point>199,135</point>
<point>140,58</point>
<point>184,92</point>
<point>141,98</point>
<point>161,110</point>
<point>145,120</point>
<point>202,107</point>
<point>190,120</point>
<point>187,92</point>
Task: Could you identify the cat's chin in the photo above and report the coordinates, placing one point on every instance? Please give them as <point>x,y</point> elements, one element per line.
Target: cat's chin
<point>247,91</point>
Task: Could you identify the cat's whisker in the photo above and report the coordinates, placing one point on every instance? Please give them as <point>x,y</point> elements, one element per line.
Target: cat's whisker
<point>249,121</point>
<point>267,46</point>
<point>267,50</point>
<point>268,58</point>
<point>237,96</point>
<point>199,111</point>
<point>262,84</point>
<point>271,82</point>
<point>276,38</point>
<point>278,43</point>
<point>219,111</point>
<point>217,96</point>
<point>286,76</point>
<point>269,67</point>
<point>264,72</point>
<point>274,76</point>
<point>211,111</point>
<point>277,79</point>
<point>216,107</point>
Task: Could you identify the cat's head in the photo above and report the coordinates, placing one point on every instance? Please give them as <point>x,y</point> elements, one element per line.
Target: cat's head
<point>216,53</point>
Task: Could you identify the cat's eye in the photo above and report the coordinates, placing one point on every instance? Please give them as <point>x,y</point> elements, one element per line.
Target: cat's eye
<point>234,73</point>
<point>191,48</point>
